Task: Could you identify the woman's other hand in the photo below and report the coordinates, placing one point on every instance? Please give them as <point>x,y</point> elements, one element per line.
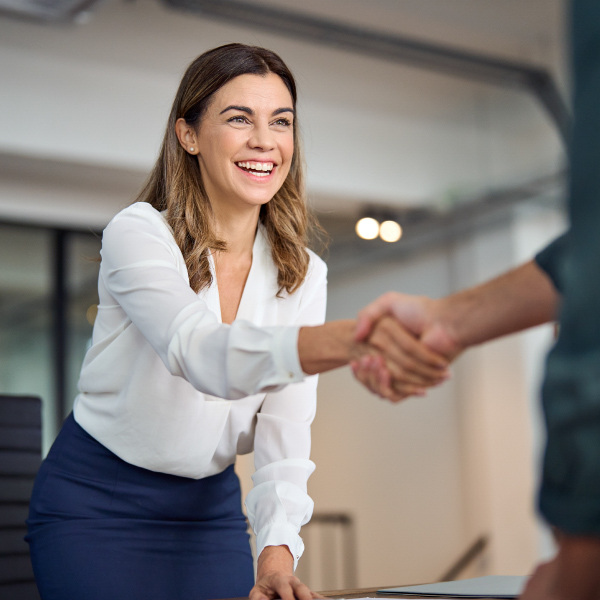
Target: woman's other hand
<point>275,577</point>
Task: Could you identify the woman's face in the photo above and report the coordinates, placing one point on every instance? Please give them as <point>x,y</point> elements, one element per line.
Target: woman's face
<point>246,141</point>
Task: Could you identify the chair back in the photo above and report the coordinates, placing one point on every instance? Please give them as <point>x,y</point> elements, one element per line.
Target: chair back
<point>20,459</point>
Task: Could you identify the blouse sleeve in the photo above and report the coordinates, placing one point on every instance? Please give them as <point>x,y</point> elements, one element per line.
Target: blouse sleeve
<point>144,272</point>
<point>278,505</point>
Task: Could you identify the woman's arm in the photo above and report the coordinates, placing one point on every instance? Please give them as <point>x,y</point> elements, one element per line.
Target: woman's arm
<point>144,274</point>
<point>278,505</point>
<point>275,577</point>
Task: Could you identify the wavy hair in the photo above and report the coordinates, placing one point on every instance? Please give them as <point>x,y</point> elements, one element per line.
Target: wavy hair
<point>175,183</point>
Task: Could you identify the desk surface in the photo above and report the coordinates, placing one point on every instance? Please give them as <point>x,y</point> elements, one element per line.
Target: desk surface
<point>372,593</point>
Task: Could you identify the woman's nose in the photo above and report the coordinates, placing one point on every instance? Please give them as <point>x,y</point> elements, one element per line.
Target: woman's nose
<point>261,138</point>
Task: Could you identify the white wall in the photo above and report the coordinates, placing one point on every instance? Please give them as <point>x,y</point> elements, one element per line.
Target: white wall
<point>426,478</point>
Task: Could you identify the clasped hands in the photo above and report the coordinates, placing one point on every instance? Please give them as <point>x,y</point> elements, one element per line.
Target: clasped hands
<point>404,347</point>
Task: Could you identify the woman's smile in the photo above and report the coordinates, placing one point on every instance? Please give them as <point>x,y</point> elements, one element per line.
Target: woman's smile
<point>258,169</point>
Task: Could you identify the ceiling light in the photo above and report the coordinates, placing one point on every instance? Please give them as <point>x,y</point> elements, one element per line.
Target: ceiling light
<point>367,228</point>
<point>390,231</point>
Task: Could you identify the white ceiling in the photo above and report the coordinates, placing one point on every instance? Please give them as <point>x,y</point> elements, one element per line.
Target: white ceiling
<point>92,98</point>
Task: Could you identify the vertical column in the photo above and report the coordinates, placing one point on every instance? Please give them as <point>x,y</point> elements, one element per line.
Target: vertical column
<point>59,324</point>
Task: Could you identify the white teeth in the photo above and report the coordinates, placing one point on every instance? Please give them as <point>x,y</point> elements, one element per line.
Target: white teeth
<point>257,168</point>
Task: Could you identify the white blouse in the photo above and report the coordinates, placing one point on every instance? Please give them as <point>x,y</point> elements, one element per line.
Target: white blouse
<point>168,387</point>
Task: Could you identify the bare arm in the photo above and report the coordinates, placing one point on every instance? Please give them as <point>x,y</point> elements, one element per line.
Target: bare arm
<point>519,299</point>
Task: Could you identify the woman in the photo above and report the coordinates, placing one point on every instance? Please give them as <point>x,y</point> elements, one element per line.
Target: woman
<point>204,285</point>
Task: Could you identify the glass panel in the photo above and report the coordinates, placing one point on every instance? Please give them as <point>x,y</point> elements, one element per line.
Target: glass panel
<point>25,318</point>
<point>83,252</point>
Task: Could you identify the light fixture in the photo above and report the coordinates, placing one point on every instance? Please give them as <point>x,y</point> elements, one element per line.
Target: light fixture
<point>390,231</point>
<point>367,228</point>
<point>58,11</point>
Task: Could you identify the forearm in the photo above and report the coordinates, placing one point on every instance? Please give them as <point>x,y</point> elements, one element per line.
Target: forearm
<point>275,577</point>
<point>274,559</point>
<point>328,346</point>
<point>517,300</point>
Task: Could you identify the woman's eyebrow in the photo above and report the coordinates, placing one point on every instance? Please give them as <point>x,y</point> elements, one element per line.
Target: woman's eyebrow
<point>282,110</point>
<point>236,107</point>
<point>250,112</point>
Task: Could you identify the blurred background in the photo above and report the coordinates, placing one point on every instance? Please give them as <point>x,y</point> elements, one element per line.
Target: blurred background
<point>447,118</point>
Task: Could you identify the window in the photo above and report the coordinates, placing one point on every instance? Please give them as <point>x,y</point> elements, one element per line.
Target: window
<point>48,294</point>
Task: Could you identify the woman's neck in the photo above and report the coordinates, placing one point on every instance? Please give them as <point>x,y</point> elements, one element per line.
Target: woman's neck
<point>237,230</point>
<point>233,266</point>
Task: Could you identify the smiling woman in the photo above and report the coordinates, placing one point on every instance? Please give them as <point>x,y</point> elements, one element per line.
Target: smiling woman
<point>211,101</point>
<point>209,325</point>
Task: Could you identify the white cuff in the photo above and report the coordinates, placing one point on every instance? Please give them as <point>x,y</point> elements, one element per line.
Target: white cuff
<point>286,356</point>
<point>280,534</point>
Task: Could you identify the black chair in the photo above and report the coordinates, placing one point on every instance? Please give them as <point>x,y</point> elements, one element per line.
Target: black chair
<point>20,458</point>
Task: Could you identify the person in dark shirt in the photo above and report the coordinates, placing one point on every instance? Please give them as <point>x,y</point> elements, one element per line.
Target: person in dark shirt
<point>562,283</point>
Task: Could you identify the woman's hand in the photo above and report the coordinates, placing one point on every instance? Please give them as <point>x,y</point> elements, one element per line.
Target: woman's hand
<point>280,585</point>
<point>275,577</point>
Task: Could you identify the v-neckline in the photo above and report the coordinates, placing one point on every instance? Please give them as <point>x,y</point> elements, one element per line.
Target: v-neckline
<point>250,293</point>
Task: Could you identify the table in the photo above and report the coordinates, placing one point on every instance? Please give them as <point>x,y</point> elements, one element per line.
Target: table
<point>372,593</point>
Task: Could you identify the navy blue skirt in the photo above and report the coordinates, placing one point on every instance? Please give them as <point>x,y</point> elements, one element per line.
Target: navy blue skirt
<point>100,528</point>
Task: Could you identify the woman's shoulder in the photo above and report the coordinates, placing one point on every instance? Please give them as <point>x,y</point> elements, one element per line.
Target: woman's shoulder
<point>138,209</point>
<point>140,215</point>
<point>317,267</point>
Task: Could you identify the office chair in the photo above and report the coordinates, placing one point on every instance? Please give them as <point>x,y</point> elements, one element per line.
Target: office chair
<point>20,458</point>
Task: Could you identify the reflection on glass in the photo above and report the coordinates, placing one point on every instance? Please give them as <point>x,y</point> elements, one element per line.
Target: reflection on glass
<point>29,341</point>
<point>25,317</point>
<point>83,250</point>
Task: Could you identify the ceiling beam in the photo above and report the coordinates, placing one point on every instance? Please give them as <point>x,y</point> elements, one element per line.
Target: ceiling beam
<point>426,231</point>
<point>451,61</point>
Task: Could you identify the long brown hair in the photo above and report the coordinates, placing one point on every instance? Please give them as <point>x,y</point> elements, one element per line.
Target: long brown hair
<point>175,184</point>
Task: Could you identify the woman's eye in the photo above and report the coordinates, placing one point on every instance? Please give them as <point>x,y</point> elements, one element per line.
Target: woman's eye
<point>283,122</point>
<point>238,119</point>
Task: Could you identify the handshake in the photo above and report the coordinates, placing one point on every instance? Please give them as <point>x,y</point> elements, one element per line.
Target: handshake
<point>403,347</point>
<point>404,344</point>
<point>400,345</point>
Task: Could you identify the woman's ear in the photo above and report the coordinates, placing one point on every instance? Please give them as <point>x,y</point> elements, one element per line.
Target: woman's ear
<point>186,136</point>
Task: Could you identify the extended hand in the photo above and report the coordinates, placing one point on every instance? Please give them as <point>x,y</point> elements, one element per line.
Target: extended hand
<point>398,365</point>
<point>421,346</point>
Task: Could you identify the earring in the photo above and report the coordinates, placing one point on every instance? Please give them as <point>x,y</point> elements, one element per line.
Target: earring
<point>191,149</point>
